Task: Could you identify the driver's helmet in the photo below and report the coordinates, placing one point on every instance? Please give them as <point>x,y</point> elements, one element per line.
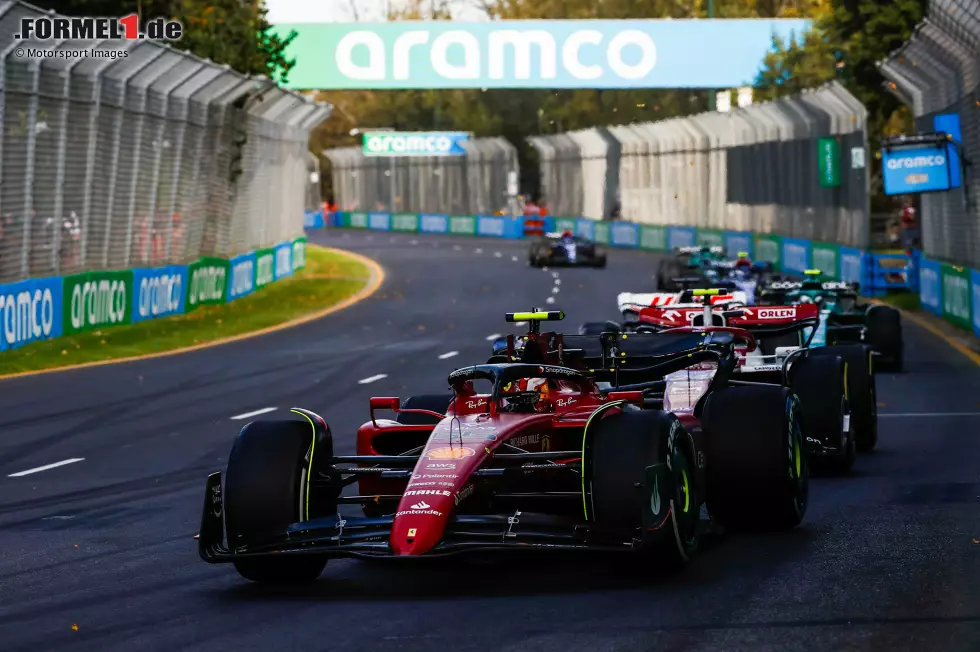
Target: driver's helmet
<point>525,386</point>
<point>567,236</point>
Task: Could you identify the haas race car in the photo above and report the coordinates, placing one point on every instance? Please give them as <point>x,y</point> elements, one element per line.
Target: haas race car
<point>843,317</point>
<point>525,453</point>
<point>565,249</point>
<point>836,384</point>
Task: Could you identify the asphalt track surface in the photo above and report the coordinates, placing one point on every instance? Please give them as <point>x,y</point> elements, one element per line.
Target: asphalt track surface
<point>888,559</point>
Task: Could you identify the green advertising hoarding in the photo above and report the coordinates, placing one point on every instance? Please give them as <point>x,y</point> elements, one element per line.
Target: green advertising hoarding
<point>462,225</point>
<point>711,238</point>
<point>408,222</point>
<point>956,295</point>
<point>356,220</point>
<point>767,248</point>
<point>601,233</point>
<point>265,267</point>
<point>828,162</point>
<point>563,224</point>
<point>97,300</point>
<point>826,257</point>
<point>208,281</point>
<point>653,238</point>
<point>299,254</point>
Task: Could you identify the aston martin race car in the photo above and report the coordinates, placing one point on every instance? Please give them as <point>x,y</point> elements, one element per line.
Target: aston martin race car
<point>843,317</point>
<point>565,249</point>
<point>708,267</point>
<point>837,387</point>
<point>537,459</point>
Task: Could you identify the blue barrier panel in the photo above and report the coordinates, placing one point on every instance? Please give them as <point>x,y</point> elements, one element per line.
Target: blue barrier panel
<point>681,236</point>
<point>284,260</point>
<point>851,266</point>
<point>585,228</point>
<point>887,272</point>
<point>433,223</point>
<point>379,221</point>
<point>795,256</point>
<point>513,227</point>
<point>313,220</point>
<point>736,241</point>
<point>550,225</point>
<point>241,276</point>
<point>491,226</point>
<point>624,234</point>
<point>30,310</point>
<point>975,291</point>
<point>159,292</point>
<point>930,286</point>
<point>336,219</point>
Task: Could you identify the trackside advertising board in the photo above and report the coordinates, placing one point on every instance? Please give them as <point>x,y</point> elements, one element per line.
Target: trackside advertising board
<point>527,53</point>
<point>47,308</point>
<point>915,169</point>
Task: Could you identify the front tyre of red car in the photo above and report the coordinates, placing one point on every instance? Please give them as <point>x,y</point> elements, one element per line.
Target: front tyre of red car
<point>265,492</point>
<point>640,478</point>
<point>758,477</point>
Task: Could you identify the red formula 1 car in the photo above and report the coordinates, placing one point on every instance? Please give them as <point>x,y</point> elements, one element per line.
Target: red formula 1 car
<point>836,384</point>
<point>538,459</point>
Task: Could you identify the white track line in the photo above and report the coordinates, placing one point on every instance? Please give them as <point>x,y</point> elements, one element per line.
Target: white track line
<point>557,281</point>
<point>450,354</point>
<point>413,242</point>
<point>45,467</point>
<point>456,247</point>
<point>555,290</point>
<point>371,379</point>
<point>550,300</point>
<point>896,415</point>
<point>478,251</point>
<point>239,417</point>
<point>514,258</point>
<point>497,254</point>
<point>520,324</point>
<point>491,338</point>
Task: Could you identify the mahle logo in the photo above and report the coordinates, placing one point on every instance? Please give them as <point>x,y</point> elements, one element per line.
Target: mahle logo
<point>26,316</point>
<point>98,303</point>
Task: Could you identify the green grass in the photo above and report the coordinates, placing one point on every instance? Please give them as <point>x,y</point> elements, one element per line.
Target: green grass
<point>327,279</point>
<point>903,300</point>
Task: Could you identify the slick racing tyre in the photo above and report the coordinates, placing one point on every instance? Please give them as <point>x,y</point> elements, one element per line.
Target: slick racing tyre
<point>885,336</point>
<point>821,383</point>
<point>758,475</point>
<point>619,449</point>
<point>862,391</point>
<point>266,492</point>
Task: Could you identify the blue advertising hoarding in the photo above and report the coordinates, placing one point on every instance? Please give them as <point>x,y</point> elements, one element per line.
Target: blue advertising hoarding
<point>241,278</point>
<point>284,260</point>
<point>931,286</point>
<point>599,54</point>
<point>159,292</point>
<point>795,256</point>
<point>949,123</point>
<point>920,168</point>
<point>430,223</point>
<point>738,241</point>
<point>975,293</point>
<point>30,311</point>
<point>681,236</point>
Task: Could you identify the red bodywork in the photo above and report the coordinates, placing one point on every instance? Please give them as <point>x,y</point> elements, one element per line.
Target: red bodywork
<point>666,317</point>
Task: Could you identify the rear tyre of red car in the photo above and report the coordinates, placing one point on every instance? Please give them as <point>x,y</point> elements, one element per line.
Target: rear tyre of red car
<point>885,335</point>
<point>758,475</point>
<point>620,448</point>
<point>820,382</point>
<point>862,391</point>
<point>265,492</point>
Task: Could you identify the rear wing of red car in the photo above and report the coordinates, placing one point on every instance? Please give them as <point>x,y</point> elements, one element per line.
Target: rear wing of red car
<point>750,318</point>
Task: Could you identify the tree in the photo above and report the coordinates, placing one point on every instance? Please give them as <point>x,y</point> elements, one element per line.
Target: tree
<point>232,32</point>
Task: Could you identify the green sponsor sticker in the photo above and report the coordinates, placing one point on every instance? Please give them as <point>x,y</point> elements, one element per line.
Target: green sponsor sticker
<point>462,224</point>
<point>653,238</point>
<point>207,281</point>
<point>97,300</point>
<point>405,222</point>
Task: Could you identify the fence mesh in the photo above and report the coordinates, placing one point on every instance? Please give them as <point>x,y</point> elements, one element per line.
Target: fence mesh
<point>937,72</point>
<point>475,183</point>
<point>138,154</point>
<point>752,169</point>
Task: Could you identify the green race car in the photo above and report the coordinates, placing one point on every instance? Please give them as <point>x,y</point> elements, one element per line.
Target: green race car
<point>844,319</point>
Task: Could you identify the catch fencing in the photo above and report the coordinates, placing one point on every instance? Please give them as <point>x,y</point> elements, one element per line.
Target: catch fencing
<point>795,167</point>
<point>139,155</point>
<point>472,184</point>
<point>937,72</point>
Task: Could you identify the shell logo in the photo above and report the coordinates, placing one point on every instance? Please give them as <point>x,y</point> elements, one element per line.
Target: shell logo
<point>450,453</point>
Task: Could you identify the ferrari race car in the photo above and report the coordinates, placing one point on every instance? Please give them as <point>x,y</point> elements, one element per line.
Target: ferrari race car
<point>843,318</point>
<point>539,459</point>
<point>565,249</point>
<point>836,386</point>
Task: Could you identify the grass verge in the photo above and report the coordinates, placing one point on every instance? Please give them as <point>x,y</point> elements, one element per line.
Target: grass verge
<point>328,278</point>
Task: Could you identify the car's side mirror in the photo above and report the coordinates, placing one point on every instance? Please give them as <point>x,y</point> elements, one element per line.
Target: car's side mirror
<point>384,403</point>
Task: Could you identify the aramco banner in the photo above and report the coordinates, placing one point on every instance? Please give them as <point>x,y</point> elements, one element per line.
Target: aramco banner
<point>597,54</point>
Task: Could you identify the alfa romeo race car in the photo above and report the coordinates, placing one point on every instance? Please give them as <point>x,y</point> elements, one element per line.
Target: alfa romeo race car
<point>843,317</point>
<point>565,249</point>
<point>538,459</point>
<point>839,399</point>
<point>630,304</point>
